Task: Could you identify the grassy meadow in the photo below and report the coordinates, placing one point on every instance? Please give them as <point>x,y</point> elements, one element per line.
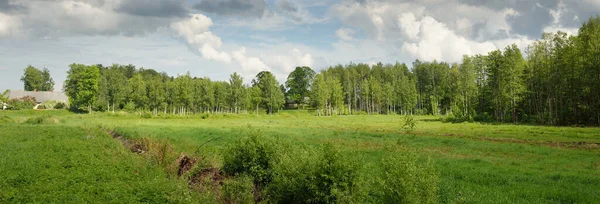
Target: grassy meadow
<point>58,156</point>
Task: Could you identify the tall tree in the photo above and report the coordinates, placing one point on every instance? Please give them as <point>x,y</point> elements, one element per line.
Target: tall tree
<point>81,85</point>
<point>273,98</point>
<point>236,87</point>
<point>34,79</point>
<point>298,84</point>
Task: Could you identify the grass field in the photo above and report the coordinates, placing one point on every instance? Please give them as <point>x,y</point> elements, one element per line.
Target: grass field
<point>68,157</point>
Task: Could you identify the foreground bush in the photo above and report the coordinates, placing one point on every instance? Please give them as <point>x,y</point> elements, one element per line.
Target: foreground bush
<point>286,173</point>
<point>323,176</point>
<point>404,180</point>
<point>254,156</point>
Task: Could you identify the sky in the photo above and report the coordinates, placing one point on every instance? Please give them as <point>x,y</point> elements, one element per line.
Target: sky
<point>215,38</point>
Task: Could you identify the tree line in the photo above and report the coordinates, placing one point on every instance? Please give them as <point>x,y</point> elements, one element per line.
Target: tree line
<point>557,82</point>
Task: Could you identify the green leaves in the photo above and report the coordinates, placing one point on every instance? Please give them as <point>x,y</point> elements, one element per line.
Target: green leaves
<point>35,79</point>
<point>82,84</point>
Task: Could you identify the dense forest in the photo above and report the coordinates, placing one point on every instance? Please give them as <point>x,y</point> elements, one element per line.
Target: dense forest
<point>555,81</point>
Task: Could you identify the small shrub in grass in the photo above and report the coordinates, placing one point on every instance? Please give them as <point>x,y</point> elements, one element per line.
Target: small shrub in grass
<point>410,123</point>
<point>404,180</point>
<point>146,115</point>
<point>205,115</point>
<point>253,155</point>
<point>238,190</point>
<point>129,107</point>
<point>49,104</point>
<point>41,120</point>
<point>60,106</point>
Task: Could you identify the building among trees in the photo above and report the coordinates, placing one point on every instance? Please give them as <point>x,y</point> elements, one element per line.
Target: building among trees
<point>40,96</point>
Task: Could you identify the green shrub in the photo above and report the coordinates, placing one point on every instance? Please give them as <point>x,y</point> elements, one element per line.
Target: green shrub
<point>60,105</point>
<point>253,155</point>
<point>49,104</point>
<point>146,115</point>
<point>22,103</point>
<point>129,106</point>
<point>323,176</point>
<point>410,123</point>
<point>205,115</point>
<point>404,180</point>
<point>239,190</point>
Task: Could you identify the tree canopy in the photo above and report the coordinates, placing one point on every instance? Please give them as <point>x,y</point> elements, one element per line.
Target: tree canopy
<point>37,80</point>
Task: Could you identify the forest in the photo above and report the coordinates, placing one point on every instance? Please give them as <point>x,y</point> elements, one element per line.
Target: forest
<point>554,81</point>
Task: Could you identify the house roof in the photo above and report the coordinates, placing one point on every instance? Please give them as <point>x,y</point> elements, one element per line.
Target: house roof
<point>40,96</point>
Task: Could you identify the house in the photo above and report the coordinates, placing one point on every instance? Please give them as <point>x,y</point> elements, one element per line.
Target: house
<point>40,96</point>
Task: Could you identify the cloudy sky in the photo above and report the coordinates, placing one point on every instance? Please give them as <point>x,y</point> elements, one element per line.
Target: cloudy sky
<point>215,38</point>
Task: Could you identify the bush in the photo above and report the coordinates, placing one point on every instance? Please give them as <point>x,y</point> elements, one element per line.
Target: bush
<point>324,176</point>
<point>129,107</point>
<point>205,115</point>
<point>60,105</point>
<point>253,155</point>
<point>49,104</point>
<point>146,115</point>
<point>403,180</point>
<point>410,123</point>
<point>22,103</point>
<point>238,190</point>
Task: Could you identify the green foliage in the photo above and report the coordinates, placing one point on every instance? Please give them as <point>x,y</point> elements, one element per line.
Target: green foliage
<point>81,85</point>
<point>323,176</point>
<point>272,96</point>
<point>4,97</point>
<point>254,156</point>
<point>239,190</point>
<point>299,83</point>
<point>51,104</point>
<point>60,105</point>
<point>129,106</point>
<point>146,115</point>
<point>410,123</point>
<point>405,180</point>
<point>42,120</point>
<point>34,79</point>
<point>24,103</point>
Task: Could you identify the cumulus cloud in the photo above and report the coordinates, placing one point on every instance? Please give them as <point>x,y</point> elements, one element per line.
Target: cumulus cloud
<point>429,40</point>
<point>61,18</point>
<point>196,32</point>
<point>241,8</point>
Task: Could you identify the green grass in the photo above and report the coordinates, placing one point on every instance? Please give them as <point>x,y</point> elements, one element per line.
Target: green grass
<point>46,164</point>
<point>478,163</point>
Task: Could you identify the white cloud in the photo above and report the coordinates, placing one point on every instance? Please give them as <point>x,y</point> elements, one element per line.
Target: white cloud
<point>249,65</point>
<point>432,40</point>
<point>211,53</point>
<point>196,31</point>
<point>9,25</point>
<point>345,34</point>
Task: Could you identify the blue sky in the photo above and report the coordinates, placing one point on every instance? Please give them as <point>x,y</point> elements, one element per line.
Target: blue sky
<point>215,38</point>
